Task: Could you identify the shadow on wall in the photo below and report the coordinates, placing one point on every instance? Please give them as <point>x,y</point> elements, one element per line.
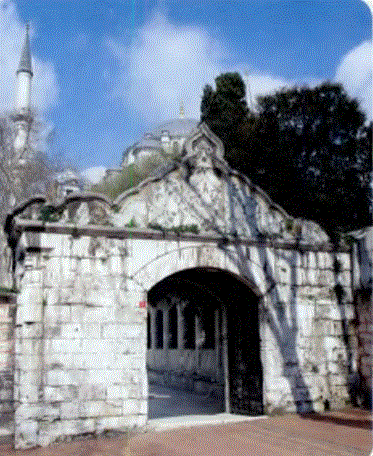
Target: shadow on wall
<point>284,327</point>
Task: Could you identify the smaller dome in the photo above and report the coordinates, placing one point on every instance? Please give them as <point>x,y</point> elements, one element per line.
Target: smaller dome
<point>148,143</point>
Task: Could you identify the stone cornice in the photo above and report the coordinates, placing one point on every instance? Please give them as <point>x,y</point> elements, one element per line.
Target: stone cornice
<point>137,233</point>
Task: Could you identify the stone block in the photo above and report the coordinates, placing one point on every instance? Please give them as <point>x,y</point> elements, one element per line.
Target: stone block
<point>70,410</point>
<point>6,407</point>
<point>105,376</point>
<point>30,347</point>
<point>345,278</point>
<point>29,376</point>
<point>28,362</point>
<point>56,314</point>
<point>103,408</point>
<point>118,392</point>
<point>92,361</point>
<point>324,260</point>
<point>95,314</point>
<point>79,247</point>
<point>301,278</point>
<point>138,363</point>
<point>72,331</point>
<point>122,331</point>
<point>6,314</point>
<point>49,433</point>
<point>92,392</point>
<point>103,346</point>
<point>26,433</point>
<point>35,276</point>
<point>5,359</point>
<point>344,261</point>
<point>57,377</point>
<point>117,264</point>
<point>312,276</point>
<point>112,422</point>
<point>6,395</point>
<point>29,303</point>
<point>53,394</point>
<point>28,392</point>
<point>55,346</point>
<point>331,343</point>
<point>77,426</point>
<point>131,406</point>
<point>6,332</point>
<point>143,410</point>
<point>29,330</point>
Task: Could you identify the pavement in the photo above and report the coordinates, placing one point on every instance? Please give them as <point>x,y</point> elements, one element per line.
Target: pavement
<point>199,428</point>
<point>169,402</point>
<point>342,433</point>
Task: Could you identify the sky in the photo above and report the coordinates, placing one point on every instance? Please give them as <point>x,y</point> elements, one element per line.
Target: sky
<point>107,71</point>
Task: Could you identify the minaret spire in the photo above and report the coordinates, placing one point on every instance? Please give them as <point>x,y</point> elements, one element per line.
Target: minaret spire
<point>24,76</point>
<point>22,117</point>
<point>25,60</point>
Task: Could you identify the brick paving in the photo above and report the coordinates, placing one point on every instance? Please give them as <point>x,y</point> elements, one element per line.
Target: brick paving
<point>344,433</point>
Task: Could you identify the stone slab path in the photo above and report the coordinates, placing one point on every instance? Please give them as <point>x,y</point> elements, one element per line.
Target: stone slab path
<point>343,433</point>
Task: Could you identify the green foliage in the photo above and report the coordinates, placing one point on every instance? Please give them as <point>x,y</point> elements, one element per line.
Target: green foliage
<point>308,148</point>
<point>176,229</point>
<point>224,108</point>
<point>132,223</point>
<point>8,290</point>
<point>129,177</point>
<point>50,214</point>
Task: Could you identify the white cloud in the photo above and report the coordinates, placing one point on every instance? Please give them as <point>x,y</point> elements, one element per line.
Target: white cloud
<point>12,35</point>
<point>168,64</point>
<point>355,73</point>
<point>165,65</point>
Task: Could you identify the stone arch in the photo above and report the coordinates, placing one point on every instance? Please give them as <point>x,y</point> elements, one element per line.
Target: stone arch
<point>217,301</point>
<point>196,256</point>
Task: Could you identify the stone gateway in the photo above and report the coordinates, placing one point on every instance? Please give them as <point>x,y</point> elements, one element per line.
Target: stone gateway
<point>196,278</point>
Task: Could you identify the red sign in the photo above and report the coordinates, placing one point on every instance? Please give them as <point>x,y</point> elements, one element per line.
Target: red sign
<point>142,304</point>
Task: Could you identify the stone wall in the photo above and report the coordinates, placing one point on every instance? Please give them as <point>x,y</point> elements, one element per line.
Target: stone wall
<point>7,322</point>
<point>365,338</point>
<point>362,274</point>
<point>80,357</point>
<point>81,331</point>
<point>308,339</point>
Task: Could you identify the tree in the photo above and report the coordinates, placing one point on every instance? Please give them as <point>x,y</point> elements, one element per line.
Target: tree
<point>18,177</point>
<point>308,148</point>
<point>224,109</point>
<point>131,175</point>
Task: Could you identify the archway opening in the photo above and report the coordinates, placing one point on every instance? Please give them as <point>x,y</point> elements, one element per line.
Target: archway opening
<point>203,345</point>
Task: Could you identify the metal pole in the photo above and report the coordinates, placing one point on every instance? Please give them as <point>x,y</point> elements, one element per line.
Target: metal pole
<point>225,361</point>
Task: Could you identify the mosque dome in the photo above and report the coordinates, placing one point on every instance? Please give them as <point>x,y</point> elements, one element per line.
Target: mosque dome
<point>176,127</point>
<point>166,138</point>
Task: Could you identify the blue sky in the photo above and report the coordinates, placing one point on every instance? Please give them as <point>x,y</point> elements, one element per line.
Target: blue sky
<point>107,71</point>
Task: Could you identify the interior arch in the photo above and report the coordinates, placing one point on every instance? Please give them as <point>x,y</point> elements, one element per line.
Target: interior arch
<point>204,344</point>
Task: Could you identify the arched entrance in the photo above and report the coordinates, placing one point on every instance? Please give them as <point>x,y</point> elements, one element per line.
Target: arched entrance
<point>203,345</point>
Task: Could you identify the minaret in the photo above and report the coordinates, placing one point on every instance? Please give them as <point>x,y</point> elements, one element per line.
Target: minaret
<point>22,117</point>
<point>24,76</point>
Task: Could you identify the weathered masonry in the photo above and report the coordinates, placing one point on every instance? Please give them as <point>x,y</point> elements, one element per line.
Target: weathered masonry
<point>270,296</point>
